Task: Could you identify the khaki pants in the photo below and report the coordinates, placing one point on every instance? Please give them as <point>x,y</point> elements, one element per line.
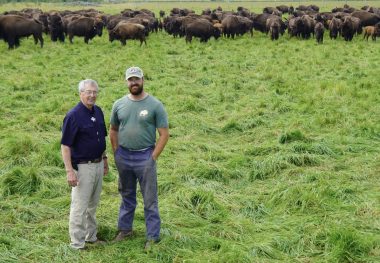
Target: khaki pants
<point>84,200</point>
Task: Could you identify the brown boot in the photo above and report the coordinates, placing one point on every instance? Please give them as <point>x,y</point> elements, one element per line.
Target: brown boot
<point>123,234</point>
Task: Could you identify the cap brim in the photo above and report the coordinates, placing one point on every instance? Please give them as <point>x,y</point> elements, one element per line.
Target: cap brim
<point>133,75</point>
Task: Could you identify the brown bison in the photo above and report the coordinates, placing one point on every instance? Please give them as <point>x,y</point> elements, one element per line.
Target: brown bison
<point>86,27</point>
<point>13,27</point>
<point>125,30</point>
<point>334,27</point>
<point>348,28</point>
<point>319,30</point>
<point>55,26</point>
<point>273,27</point>
<point>203,29</point>
<point>366,18</point>
<point>371,31</point>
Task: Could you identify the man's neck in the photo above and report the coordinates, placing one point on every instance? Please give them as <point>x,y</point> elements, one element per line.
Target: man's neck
<point>141,96</point>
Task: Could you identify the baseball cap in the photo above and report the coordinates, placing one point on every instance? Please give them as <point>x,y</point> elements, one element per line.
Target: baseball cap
<point>134,72</point>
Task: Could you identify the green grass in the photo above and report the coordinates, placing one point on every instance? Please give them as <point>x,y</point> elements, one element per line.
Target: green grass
<point>273,155</point>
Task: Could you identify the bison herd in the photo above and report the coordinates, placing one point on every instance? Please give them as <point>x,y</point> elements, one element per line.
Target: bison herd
<point>301,22</point>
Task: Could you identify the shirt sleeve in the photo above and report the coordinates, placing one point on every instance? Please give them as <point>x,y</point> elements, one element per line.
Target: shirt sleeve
<point>114,118</point>
<point>161,117</point>
<point>69,130</point>
<point>104,126</point>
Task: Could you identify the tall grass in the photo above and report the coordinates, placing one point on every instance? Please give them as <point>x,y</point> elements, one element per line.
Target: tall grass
<point>273,154</point>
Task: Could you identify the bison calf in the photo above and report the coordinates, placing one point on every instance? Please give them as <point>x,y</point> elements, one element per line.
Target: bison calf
<point>371,31</point>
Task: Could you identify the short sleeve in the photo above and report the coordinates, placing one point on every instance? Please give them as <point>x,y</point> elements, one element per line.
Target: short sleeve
<point>161,117</point>
<point>114,118</point>
<point>69,130</point>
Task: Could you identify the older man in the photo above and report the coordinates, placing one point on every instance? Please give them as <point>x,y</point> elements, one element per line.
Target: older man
<point>135,119</point>
<point>83,148</point>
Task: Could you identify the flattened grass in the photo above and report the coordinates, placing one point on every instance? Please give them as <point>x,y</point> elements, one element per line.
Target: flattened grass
<point>273,155</point>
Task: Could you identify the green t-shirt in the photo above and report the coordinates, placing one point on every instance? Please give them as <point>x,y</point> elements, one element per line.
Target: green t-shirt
<point>138,120</point>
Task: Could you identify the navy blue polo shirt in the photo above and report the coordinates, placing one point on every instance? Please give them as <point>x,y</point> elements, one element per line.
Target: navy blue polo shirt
<point>84,131</point>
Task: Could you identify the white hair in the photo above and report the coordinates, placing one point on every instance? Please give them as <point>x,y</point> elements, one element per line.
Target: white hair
<point>86,82</point>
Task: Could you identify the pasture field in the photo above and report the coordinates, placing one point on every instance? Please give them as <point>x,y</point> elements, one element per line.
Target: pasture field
<point>274,154</point>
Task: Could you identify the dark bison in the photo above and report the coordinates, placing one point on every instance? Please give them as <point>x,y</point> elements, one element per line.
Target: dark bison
<point>55,25</point>
<point>272,10</point>
<point>334,27</point>
<point>86,27</point>
<point>203,29</point>
<point>260,23</point>
<point>283,8</point>
<point>236,25</point>
<point>13,27</point>
<point>366,18</point>
<point>348,28</point>
<point>307,27</point>
<point>319,30</point>
<point>126,30</point>
<point>273,27</point>
<point>294,26</point>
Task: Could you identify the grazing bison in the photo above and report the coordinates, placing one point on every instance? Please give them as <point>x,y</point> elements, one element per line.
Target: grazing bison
<point>86,27</point>
<point>319,30</point>
<point>203,29</point>
<point>366,18</point>
<point>13,27</point>
<point>295,26</point>
<point>272,10</point>
<point>273,27</point>
<point>334,27</point>
<point>126,30</point>
<point>283,8</point>
<point>348,28</point>
<point>307,27</point>
<point>260,22</point>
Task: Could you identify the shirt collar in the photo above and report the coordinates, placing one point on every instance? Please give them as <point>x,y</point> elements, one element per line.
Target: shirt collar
<point>92,111</point>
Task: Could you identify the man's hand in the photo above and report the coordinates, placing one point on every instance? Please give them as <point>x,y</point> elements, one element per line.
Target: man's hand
<point>105,166</point>
<point>72,178</point>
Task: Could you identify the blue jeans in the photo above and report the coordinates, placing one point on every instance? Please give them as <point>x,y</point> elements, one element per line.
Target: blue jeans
<point>138,166</point>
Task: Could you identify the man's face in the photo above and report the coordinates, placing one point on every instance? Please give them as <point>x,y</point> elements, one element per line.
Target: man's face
<point>135,85</point>
<point>88,96</point>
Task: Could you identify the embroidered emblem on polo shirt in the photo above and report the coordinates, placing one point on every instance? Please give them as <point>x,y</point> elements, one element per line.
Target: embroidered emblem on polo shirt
<point>93,119</point>
<point>143,113</point>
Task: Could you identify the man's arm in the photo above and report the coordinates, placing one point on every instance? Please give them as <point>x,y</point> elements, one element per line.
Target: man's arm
<point>162,140</point>
<point>114,132</point>
<point>71,175</point>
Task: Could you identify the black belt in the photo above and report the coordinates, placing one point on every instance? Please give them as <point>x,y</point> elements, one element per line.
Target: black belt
<point>97,160</point>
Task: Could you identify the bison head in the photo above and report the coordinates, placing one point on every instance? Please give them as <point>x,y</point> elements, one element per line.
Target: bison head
<point>98,27</point>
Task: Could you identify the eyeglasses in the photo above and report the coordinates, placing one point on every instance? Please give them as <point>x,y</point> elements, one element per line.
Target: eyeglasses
<point>90,92</point>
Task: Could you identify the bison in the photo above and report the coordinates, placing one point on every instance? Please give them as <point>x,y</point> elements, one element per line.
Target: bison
<point>86,27</point>
<point>371,31</point>
<point>348,28</point>
<point>13,27</point>
<point>203,29</point>
<point>366,18</point>
<point>273,27</point>
<point>126,30</point>
<point>334,27</point>
<point>55,25</point>
<point>319,30</point>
